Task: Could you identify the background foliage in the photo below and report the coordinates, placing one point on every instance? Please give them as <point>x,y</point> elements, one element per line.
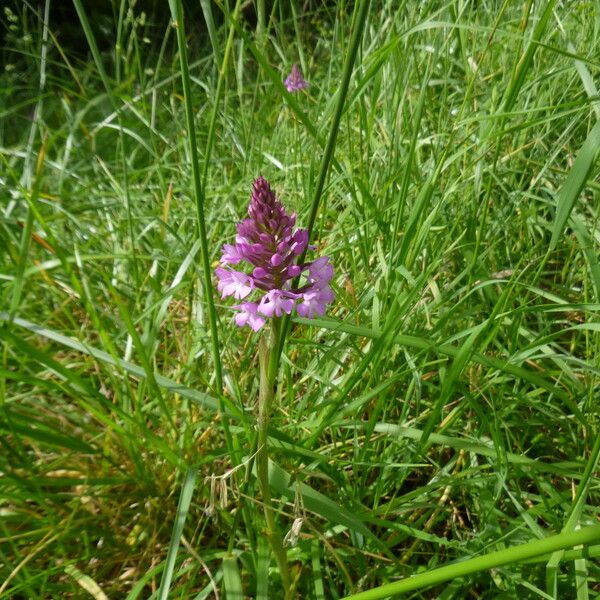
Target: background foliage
<point>445,408</point>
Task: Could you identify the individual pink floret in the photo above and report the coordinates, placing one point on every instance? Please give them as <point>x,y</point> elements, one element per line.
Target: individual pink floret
<point>233,283</point>
<point>320,270</point>
<point>275,303</point>
<point>314,302</point>
<point>248,315</point>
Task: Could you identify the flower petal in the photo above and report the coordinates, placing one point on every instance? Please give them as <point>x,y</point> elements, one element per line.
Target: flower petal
<point>233,283</point>
<point>248,315</point>
<point>275,303</point>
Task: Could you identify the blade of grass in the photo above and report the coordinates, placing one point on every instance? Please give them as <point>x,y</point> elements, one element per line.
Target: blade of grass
<point>575,181</point>
<point>91,40</point>
<point>317,573</point>
<point>41,432</point>
<point>355,40</point>
<point>185,499</point>
<point>217,99</point>
<point>448,350</point>
<point>86,583</point>
<point>584,552</point>
<point>177,14</point>
<point>574,517</point>
<point>493,560</point>
<point>262,569</point>
<point>281,482</point>
<point>360,20</point>
<point>206,6</point>
<point>231,579</point>
<point>410,161</point>
<point>587,247</point>
<point>27,234</point>
<point>201,398</point>
<point>463,357</point>
<point>141,583</point>
<point>511,92</point>
<point>526,61</point>
<point>93,402</point>
<point>469,445</point>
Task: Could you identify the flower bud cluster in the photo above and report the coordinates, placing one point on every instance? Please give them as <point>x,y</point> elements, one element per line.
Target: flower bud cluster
<point>268,242</point>
<point>295,81</point>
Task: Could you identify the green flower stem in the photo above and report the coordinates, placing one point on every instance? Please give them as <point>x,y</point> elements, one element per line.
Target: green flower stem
<point>493,560</point>
<point>269,363</point>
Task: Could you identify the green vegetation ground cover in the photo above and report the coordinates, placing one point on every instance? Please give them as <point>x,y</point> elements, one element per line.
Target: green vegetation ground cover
<point>447,405</point>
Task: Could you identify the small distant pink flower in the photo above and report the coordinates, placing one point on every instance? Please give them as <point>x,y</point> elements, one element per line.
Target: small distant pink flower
<point>295,80</point>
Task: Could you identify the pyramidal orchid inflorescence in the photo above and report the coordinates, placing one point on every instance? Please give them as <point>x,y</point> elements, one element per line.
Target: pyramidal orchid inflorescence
<point>295,80</point>
<point>268,242</point>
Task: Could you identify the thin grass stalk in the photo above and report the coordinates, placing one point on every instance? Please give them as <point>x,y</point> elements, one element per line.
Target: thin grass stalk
<point>91,40</point>
<point>507,104</point>
<point>410,161</point>
<point>26,175</point>
<point>119,41</point>
<point>185,500</point>
<point>583,552</point>
<point>37,111</point>
<point>26,235</point>
<point>260,21</point>
<point>552,567</point>
<point>177,13</point>
<point>213,119</point>
<point>361,18</point>
<point>584,485</point>
<point>206,6</point>
<point>483,563</point>
<point>355,40</point>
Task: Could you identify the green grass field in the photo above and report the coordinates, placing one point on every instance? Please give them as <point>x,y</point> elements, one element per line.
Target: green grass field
<point>440,422</point>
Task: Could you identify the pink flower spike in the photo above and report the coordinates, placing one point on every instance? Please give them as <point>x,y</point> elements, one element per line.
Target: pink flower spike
<point>233,283</point>
<point>268,246</point>
<point>248,315</point>
<point>295,80</point>
<point>274,304</point>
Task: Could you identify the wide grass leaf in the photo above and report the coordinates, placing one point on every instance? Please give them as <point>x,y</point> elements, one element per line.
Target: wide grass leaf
<point>185,499</point>
<point>575,181</point>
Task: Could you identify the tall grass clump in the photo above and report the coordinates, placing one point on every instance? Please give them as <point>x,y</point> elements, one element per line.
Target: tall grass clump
<point>419,418</point>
